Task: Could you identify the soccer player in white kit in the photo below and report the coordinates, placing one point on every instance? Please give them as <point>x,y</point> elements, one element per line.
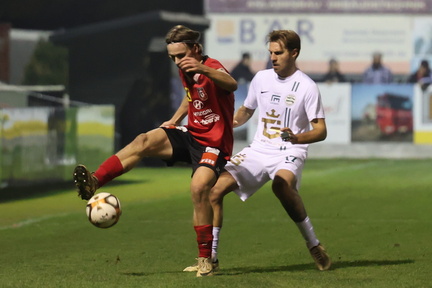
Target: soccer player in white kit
<point>291,116</point>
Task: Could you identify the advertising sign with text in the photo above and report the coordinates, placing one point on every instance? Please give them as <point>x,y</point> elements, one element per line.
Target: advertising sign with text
<point>352,39</point>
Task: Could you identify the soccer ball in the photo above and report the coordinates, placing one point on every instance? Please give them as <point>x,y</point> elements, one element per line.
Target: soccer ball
<point>103,210</point>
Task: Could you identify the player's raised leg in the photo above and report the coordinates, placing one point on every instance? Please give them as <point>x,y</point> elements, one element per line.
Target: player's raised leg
<point>154,143</point>
<point>85,182</point>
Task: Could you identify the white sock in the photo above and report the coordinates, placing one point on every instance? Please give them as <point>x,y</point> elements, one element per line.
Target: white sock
<point>308,233</point>
<point>216,231</point>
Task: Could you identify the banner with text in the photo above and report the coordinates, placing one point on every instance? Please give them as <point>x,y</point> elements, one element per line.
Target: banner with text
<point>319,6</point>
<point>351,39</point>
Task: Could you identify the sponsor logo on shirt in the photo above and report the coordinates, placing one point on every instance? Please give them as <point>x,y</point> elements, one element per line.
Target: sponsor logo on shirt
<point>272,114</point>
<point>198,104</point>
<point>208,119</point>
<point>202,113</point>
<point>275,99</point>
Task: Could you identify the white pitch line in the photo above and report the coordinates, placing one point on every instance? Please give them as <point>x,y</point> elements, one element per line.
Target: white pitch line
<point>31,221</point>
<point>228,220</point>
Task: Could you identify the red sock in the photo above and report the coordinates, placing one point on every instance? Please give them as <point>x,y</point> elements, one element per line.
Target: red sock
<point>204,239</point>
<point>109,170</point>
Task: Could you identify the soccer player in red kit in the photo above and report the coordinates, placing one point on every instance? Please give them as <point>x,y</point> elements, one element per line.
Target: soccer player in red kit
<point>206,141</point>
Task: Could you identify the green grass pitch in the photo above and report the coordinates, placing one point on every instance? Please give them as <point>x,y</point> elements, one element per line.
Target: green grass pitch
<point>373,216</point>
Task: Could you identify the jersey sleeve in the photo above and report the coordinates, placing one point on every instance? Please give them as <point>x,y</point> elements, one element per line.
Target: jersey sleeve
<point>251,101</point>
<point>215,64</point>
<point>313,103</point>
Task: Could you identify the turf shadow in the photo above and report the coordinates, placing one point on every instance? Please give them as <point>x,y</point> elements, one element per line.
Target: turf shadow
<point>303,267</point>
<point>368,263</point>
<point>292,268</point>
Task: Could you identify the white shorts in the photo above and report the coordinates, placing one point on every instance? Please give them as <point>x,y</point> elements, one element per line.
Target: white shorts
<point>252,169</point>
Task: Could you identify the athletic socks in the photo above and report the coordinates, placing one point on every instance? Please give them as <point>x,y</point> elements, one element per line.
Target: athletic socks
<point>215,243</point>
<point>308,232</point>
<point>204,240</point>
<point>109,170</point>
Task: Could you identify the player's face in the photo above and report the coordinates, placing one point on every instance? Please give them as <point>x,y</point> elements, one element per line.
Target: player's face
<point>177,51</point>
<point>283,60</point>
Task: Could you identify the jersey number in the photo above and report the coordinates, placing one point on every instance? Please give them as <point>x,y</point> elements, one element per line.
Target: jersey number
<point>290,159</point>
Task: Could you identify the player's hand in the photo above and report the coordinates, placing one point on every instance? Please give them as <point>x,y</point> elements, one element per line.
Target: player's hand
<point>190,65</point>
<point>235,123</point>
<point>288,136</point>
<point>168,123</point>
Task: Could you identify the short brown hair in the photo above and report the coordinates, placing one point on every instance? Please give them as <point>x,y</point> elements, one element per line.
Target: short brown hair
<point>183,34</point>
<point>289,38</point>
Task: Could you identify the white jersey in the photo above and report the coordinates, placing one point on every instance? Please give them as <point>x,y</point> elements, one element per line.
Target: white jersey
<point>291,102</point>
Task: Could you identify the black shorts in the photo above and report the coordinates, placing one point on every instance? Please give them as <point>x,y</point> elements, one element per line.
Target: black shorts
<point>187,149</point>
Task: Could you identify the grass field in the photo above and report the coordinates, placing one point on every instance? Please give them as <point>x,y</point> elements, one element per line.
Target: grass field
<point>373,216</point>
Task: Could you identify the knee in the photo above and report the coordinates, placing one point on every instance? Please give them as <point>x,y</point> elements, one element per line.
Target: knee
<point>279,184</point>
<point>139,144</point>
<point>282,187</point>
<point>216,196</point>
<point>140,140</point>
<point>199,193</point>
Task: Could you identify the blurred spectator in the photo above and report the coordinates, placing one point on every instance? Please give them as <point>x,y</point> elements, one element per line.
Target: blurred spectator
<point>422,76</point>
<point>377,73</point>
<point>269,64</point>
<point>333,74</point>
<point>242,72</point>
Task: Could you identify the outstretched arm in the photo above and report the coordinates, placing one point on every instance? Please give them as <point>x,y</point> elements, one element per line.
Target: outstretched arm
<point>242,115</point>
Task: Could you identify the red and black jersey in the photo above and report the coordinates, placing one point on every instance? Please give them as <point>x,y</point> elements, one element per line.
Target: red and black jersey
<point>211,109</point>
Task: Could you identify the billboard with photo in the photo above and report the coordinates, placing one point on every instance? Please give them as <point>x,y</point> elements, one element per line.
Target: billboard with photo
<point>382,112</point>
<point>336,100</point>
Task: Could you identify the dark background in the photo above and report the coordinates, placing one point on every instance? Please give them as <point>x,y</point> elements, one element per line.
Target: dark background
<point>108,53</point>
<point>65,14</point>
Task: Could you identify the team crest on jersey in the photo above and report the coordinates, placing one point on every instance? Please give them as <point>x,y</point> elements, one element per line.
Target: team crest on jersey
<point>290,99</point>
<point>202,94</point>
